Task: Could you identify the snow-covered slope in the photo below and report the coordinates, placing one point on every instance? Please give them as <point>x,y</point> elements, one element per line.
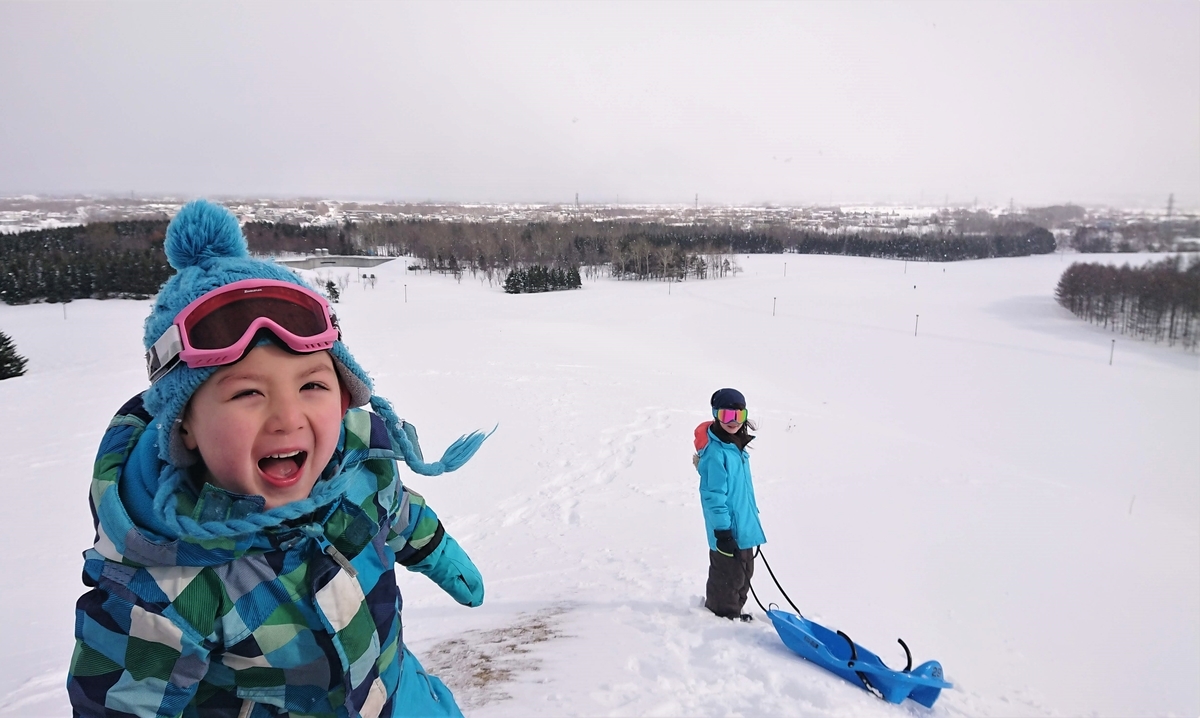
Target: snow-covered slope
<point>992,490</point>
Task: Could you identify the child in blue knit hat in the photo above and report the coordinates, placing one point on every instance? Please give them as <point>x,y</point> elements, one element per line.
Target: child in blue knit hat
<point>249,514</point>
<point>727,497</point>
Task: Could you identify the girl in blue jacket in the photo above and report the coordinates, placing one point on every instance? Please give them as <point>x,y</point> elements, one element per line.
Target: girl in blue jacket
<point>727,496</point>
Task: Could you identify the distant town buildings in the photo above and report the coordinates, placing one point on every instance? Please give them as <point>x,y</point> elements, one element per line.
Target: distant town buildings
<point>1068,222</point>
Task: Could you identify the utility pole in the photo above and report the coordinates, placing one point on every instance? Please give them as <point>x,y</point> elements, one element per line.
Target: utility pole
<point>698,202</point>
<point>1170,205</point>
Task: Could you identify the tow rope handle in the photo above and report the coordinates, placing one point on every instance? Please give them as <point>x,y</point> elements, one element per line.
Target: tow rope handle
<point>907,653</point>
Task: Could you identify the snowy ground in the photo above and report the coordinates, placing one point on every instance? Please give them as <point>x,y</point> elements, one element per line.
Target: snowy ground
<point>991,490</point>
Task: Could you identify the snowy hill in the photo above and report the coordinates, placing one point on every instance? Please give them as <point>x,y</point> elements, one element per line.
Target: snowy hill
<point>991,490</point>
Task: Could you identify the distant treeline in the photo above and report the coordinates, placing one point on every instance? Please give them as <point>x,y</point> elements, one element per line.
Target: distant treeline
<point>639,250</point>
<point>1159,301</point>
<point>278,237</point>
<point>125,259</point>
<point>1014,240</point>
<point>1133,236</point>
<point>107,259</point>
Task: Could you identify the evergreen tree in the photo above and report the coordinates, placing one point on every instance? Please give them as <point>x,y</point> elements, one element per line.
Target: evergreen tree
<point>11,363</point>
<point>512,283</point>
<point>332,290</point>
<point>540,278</point>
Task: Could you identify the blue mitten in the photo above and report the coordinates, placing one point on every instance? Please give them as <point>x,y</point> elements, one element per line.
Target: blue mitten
<point>450,567</point>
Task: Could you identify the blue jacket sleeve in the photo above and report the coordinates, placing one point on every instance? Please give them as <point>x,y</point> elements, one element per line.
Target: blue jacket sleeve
<point>422,545</point>
<point>416,531</point>
<point>714,489</point>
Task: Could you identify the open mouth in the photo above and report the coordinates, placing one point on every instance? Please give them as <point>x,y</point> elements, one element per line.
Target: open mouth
<point>282,469</point>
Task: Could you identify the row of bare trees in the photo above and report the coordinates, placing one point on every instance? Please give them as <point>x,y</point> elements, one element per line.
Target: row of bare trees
<point>125,258</point>
<point>646,250</point>
<point>279,237</point>
<point>623,250</point>
<point>1159,301</point>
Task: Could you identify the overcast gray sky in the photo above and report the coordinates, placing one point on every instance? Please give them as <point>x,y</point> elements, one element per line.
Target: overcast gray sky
<point>789,103</point>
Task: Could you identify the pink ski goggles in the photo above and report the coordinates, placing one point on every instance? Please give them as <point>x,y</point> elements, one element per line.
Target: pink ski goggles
<point>730,416</point>
<point>220,327</point>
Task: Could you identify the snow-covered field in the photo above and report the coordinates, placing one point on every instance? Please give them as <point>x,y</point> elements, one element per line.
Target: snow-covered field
<point>991,490</point>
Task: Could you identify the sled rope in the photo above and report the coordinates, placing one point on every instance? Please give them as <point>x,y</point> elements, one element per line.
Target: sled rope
<point>752,593</point>
<point>759,554</point>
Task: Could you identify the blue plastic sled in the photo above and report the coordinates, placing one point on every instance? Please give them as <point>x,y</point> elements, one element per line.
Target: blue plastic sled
<point>836,653</point>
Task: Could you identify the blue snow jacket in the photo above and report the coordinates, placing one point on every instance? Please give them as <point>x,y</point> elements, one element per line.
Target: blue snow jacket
<point>727,490</point>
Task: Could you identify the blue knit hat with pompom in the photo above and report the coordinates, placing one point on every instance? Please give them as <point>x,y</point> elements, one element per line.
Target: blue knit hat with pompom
<point>206,246</point>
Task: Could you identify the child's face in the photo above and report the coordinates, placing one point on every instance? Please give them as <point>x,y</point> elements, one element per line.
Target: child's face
<point>732,427</point>
<point>268,424</point>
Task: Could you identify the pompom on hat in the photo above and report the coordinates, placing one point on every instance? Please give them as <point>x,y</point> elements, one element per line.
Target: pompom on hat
<point>206,246</point>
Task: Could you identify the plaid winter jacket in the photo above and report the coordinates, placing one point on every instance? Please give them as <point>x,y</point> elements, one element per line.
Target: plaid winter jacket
<point>204,603</point>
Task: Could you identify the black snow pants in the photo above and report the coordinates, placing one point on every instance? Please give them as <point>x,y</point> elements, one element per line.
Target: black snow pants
<point>728,582</point>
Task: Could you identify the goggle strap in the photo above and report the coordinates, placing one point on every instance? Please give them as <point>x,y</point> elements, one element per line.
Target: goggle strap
<point>164,354</point>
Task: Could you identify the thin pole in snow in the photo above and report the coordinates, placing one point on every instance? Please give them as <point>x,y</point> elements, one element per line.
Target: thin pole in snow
<point>785,269</point>
<point>1112,351</point>
<point>917,324</point>
<point>773,305</point>
<point>406,294</point>
<point>906,266</point>
<point>64,311</point>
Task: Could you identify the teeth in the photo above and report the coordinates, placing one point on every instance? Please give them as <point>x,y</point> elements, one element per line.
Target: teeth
<point>284,456</point>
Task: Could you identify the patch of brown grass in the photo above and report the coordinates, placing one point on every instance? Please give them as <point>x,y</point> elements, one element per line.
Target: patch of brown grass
<point>477,664</point>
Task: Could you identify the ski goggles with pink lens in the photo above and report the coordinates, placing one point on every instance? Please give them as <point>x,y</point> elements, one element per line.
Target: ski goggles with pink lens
<point>730,416</point>
<point>220,327</point>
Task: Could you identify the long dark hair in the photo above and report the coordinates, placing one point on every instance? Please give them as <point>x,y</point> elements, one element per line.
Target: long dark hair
<point>742,433</point>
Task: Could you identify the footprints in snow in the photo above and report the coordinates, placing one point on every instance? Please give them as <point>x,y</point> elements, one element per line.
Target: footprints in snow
<point>560,497</point>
